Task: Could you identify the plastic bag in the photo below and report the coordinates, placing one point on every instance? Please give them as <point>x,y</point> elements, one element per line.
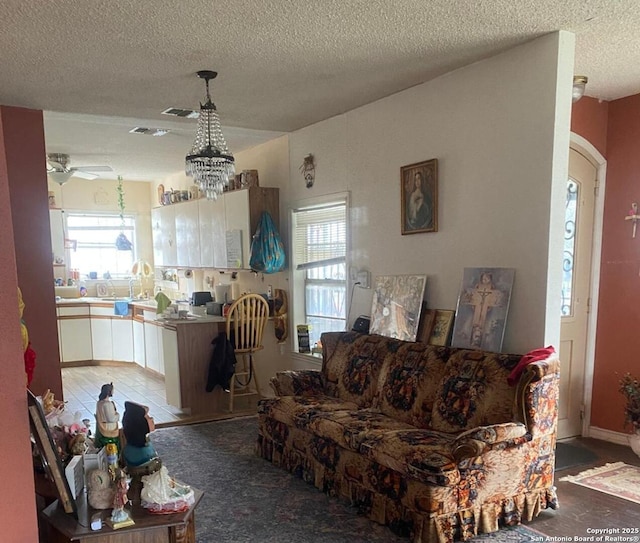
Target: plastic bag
<point>267,249</point>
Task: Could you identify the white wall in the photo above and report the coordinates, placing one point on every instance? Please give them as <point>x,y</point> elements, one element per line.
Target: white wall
<point>500,131</point>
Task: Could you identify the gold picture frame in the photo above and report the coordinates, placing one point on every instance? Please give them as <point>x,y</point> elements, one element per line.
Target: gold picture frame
<point>442,327</point>
<point>419,197</point>
<point>48,454</point>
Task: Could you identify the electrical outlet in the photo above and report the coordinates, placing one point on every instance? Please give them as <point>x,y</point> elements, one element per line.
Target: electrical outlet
<point>364,279</point>
<point>269,291</point>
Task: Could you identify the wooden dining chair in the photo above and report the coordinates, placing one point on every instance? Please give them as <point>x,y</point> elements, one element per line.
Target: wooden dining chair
<point>246,322</point>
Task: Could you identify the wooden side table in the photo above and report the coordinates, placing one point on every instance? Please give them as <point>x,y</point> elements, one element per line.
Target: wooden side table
<point>148,528</point>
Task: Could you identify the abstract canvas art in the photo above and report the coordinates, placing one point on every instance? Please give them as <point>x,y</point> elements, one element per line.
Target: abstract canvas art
<point>483,304</point>
<point>397,302</point>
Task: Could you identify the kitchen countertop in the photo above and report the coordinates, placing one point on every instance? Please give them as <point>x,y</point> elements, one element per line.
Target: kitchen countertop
<point>197,314</point>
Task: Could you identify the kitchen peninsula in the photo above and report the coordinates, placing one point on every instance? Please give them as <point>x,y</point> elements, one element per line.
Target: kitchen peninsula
<point>117,332</point>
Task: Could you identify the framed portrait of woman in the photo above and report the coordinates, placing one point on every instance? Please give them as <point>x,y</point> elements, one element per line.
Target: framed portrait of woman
<point>419,197</point>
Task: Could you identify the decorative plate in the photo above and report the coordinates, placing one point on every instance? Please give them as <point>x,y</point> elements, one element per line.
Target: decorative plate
<point>102,290</point>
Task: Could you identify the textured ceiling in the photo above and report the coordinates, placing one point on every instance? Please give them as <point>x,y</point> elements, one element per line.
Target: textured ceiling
<point>283,64</point>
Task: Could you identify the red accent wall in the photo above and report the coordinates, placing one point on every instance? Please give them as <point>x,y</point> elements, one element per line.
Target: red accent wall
<point>617,339</point>
<point>17,501</point>
<point>28,194</point>
<point>589,118</point>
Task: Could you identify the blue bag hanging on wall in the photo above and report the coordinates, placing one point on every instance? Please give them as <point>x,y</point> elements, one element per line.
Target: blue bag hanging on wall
<point>267,249</point>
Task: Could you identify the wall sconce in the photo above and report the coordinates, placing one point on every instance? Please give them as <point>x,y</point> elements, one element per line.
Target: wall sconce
<point>579,85</point>
<point>308,169</point>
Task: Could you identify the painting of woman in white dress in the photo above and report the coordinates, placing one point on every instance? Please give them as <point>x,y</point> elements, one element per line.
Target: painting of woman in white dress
<point>419,187</point>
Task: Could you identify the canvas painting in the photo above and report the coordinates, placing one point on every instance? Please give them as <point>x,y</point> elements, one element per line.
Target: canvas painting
<point>483,304</point>
<point>397,302</point>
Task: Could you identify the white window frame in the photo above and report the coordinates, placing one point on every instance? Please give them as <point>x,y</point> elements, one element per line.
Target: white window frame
<point>130,233</point>
<point>297,278</point>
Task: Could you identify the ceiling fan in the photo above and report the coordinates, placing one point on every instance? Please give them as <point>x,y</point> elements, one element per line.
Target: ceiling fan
<point>59,171</point>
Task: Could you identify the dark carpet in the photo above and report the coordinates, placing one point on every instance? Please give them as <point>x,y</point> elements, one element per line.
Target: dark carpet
<point>247,499</point>
<point>570,456</point>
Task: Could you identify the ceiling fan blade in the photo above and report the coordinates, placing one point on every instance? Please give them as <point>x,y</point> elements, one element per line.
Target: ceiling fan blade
<point>83,175</point>
<point>94,168</point>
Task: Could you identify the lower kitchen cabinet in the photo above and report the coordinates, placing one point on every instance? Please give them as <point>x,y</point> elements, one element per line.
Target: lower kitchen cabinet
<point>138,343</point>
<point>75,340</point>
<point>153,351</point>
<point>171,368</point>
<point>101,338</point>
<point>122,339</point>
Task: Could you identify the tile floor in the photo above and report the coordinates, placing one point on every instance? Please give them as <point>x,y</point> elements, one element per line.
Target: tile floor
<point>82,386</point>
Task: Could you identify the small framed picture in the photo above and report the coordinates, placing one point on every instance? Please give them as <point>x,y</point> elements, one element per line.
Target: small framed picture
<point>419,197</point>
<point>48,454</point>
<point>442,327</point>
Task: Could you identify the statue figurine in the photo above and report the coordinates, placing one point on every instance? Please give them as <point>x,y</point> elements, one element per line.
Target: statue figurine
<point>107,417</point>
<point>120,516</point>
<point>136,426</point>
<point>112,459</point>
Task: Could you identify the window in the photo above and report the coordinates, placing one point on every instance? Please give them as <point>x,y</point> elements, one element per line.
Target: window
<point>95,237</point>
<point>319,235</point>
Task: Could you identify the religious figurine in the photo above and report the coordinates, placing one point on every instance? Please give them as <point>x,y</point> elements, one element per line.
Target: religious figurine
<point>112,459</point>
<point>107,417</point>
<point>633,217</point>
<point>120,516</point>
<point>136,426</point>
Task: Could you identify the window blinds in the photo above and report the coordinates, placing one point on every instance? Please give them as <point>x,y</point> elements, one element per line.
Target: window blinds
<point>320,235</point>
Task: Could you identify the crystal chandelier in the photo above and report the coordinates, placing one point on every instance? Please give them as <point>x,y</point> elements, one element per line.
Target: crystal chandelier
<point>210,162</point>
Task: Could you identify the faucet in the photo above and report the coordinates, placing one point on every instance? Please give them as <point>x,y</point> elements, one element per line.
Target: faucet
<point>132,282</point>
<point>112,292</point>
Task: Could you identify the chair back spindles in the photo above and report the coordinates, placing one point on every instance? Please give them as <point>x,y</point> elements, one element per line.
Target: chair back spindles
<point>246,322</point>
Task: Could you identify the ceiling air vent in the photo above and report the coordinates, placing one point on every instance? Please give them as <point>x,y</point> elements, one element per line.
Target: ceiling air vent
<point>178,112</point>
<point>149,131</point>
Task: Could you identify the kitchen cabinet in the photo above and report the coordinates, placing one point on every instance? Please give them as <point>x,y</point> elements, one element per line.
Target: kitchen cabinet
<point>74,333</point>
<point>163,231</point>
<point>243,209</point>
<point>153,349</point>
<point>187,234</point>
<point>122,339</point>
<point>112,335</point>
<point>156,236</point>
<point>193,234</point>
<point>213,248</point>
<point>56,220</point>
<point>138,343</point>
<point>171,367</point>
<point>101,340</point>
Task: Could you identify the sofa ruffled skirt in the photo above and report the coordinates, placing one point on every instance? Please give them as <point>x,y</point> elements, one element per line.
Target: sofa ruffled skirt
<point>424,510</point>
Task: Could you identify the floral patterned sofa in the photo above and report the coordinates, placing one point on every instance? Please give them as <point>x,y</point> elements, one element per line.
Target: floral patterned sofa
<point>430,441</point>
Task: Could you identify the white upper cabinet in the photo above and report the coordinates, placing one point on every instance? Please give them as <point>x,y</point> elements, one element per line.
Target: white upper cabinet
<point>168,235</point>
<point>212,233</point>
<point>236,204</point>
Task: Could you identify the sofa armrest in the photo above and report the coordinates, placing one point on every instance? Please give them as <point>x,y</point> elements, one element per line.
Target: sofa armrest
<point>474,442</point>
<point>298,383</point>
<point>537,397</point>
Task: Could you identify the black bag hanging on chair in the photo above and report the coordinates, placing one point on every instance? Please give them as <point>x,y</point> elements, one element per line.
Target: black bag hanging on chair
<point>267,249</point>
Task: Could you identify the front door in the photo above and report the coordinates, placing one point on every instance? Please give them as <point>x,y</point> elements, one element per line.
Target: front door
<point>576,281</point>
